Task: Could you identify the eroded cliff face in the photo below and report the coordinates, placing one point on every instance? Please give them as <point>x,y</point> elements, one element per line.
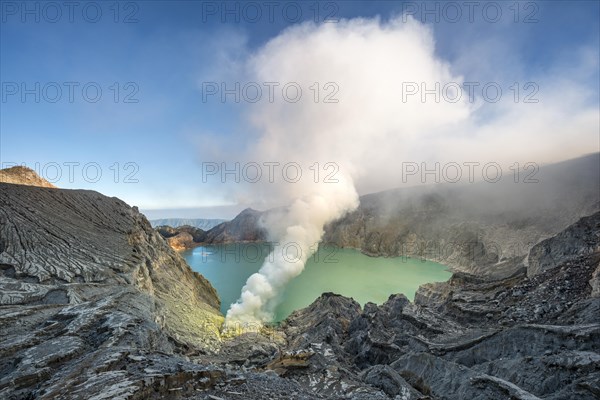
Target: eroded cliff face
<point>86,285</point>
<point>581,238</point>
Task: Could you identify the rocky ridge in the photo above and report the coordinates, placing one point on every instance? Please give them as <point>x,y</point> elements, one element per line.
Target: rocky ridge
<point>245,227</point>
<point>485,229</point>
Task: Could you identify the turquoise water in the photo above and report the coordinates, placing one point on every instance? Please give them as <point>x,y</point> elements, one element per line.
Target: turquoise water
<point>343,271</point>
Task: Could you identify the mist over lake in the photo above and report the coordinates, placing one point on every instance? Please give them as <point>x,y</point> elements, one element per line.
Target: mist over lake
<point>331,269</point>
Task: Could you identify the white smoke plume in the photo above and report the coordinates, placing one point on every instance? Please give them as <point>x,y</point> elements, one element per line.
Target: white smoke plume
<point>297,229</point>
<point>347,133</point>
<point>370,130</point>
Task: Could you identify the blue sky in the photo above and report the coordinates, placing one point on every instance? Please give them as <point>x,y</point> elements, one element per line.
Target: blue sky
<point>157,54</point>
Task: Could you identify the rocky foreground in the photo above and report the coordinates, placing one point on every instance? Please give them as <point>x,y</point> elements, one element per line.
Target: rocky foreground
<point>522,337</point>
<point>94,304</point>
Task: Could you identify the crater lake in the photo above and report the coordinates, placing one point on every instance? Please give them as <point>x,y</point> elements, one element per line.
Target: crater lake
<point>340,270</point>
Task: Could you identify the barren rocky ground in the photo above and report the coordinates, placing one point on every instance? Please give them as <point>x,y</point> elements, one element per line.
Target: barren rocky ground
<point>94,304</point>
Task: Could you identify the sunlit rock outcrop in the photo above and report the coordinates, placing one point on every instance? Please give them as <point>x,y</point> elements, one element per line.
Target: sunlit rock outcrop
<point>21,175</point>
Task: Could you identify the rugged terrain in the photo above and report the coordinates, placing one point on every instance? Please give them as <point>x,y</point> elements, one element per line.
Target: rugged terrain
<point>94,304</point>
<point>85,284</point>
<point>535,337</point>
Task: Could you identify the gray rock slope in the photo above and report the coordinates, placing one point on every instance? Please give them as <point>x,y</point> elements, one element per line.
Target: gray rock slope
<point>581,238</point>
<point>518,338</point>
<point>95,305</point>
<point>85,285</point>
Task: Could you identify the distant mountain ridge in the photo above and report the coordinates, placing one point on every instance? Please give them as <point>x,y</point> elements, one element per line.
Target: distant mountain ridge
<point>202,223</point>
<point>245,227</point>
